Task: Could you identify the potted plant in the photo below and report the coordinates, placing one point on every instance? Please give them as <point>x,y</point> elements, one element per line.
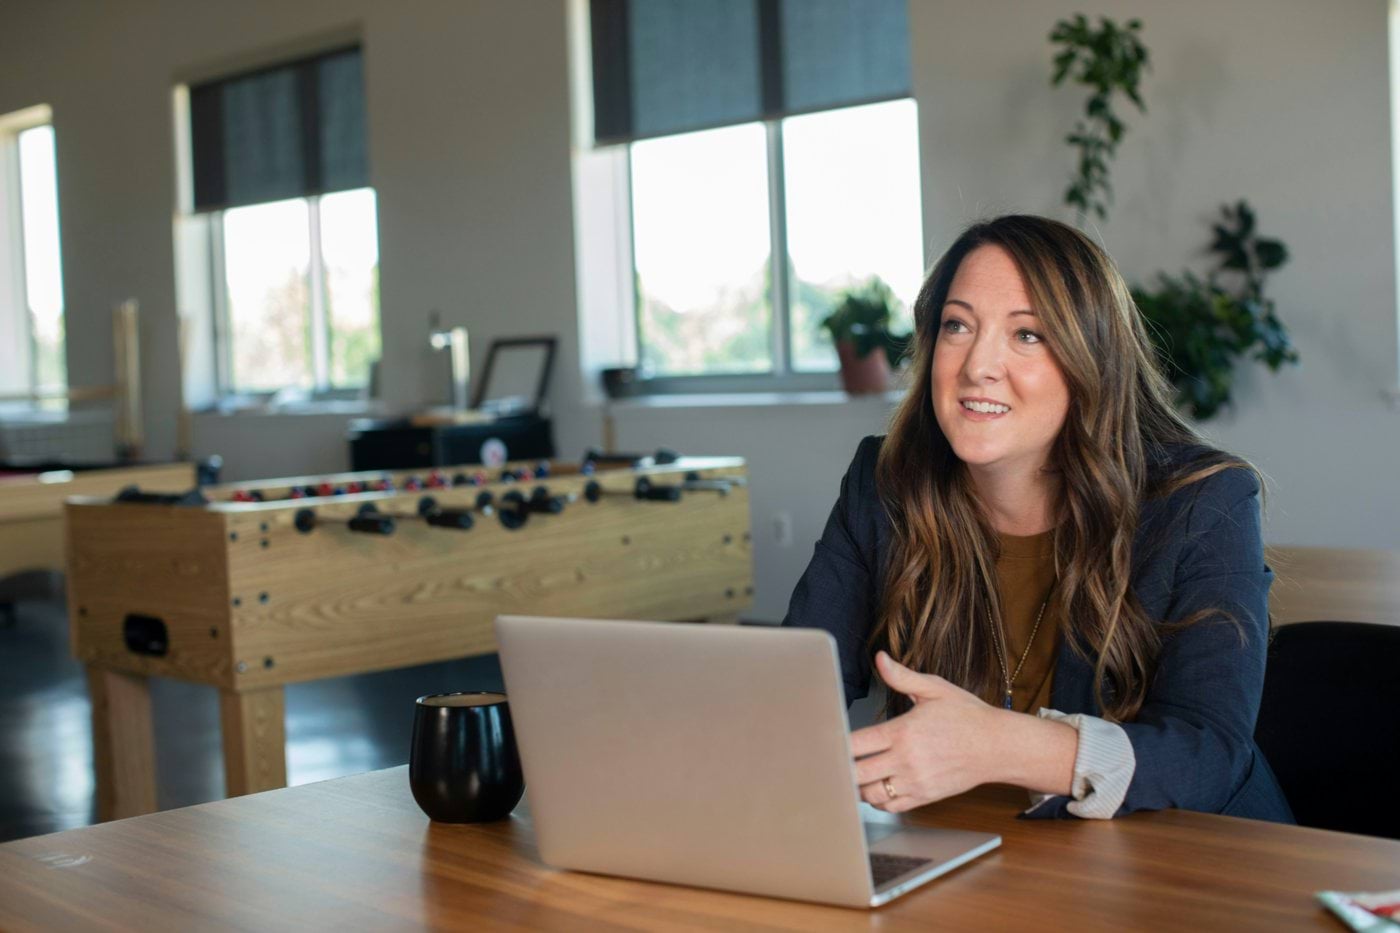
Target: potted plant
<point>860,329</point>
<point>1201,327</point>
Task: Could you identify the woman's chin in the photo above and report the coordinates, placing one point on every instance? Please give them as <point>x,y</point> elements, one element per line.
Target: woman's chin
<point>978,455</point>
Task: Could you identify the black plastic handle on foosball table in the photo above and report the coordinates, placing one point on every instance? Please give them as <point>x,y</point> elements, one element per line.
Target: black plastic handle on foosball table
<point>513,510</point>
<point>369,523</point>
<point>649,491</point>
<point>459,519</point>
<point>438,517</point>
<point>542,501</point>
<point>645,490</point>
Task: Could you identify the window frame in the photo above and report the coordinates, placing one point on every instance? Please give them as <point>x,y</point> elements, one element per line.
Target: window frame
<point>782,377</point>
<point>318,317</point>
<point>12,238</point>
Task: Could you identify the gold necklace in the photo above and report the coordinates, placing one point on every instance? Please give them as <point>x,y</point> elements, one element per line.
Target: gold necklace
<point>1008,682</point>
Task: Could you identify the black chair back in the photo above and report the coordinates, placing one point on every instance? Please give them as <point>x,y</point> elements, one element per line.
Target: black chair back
<point>1329,724</point>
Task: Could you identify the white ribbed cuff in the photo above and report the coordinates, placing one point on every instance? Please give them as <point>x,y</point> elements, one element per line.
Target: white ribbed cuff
<point>1103,766</point>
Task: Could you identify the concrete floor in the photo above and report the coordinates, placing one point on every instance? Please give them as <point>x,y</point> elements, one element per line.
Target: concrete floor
<point>334,727</point>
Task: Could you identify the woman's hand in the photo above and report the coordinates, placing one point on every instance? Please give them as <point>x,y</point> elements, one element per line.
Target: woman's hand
<point>943,746</point>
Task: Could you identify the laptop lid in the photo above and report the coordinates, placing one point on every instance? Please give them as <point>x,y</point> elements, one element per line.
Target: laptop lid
<point>715,756</point>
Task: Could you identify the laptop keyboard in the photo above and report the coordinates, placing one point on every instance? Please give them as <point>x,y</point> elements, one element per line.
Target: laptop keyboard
<point>885,868</point>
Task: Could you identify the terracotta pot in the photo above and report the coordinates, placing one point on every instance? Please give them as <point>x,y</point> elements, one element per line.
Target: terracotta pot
<point>863,375</point>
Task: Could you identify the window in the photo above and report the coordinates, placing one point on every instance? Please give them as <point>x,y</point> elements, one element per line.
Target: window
<point>772,161</point>
<point>299,283</point>
<point>702,250</point>
<point>32,362</point>
<point>279,176</point>
<point>706,224</point>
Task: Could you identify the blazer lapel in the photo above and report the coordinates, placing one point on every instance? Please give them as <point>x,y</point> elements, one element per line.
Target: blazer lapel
<point>1073,690</point>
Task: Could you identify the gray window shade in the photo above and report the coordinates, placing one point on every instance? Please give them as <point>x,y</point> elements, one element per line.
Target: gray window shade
<point>840,52</point>
<point>672,66</point>
<point>289,131</point>
<point>341,101</point>
<point>693,64</point>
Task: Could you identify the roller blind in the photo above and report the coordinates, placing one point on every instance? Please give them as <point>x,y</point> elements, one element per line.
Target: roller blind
<point>286,131</point>
<point>672,66</point>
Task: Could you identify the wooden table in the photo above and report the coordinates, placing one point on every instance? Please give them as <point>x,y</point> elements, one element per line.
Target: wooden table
<point>1316,584</point>
<point>357,853</point>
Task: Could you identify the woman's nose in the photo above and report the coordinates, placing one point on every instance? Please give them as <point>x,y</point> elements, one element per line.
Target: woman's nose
<point>984,361</point>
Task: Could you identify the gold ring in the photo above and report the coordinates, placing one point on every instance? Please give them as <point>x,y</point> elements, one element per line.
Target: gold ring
<point>889,788</point>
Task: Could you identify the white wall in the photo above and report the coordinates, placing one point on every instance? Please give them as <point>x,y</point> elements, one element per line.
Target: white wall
<point>468,110</point>
<point>1283,102</point>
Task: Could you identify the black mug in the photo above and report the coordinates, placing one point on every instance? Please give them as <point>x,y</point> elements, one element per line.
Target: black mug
<point>464,766</point>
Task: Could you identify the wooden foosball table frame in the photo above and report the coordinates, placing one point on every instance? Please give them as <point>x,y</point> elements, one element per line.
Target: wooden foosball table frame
<point>248,596</point>
<point>31,507</point>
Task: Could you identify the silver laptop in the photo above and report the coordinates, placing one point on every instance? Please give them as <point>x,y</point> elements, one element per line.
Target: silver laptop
<point>714,756</point>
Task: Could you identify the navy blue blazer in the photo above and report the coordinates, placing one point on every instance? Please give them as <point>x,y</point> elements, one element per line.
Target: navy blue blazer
<point>1199,548</point>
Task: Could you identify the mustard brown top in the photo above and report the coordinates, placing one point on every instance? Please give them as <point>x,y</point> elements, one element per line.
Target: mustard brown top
<point>1025,577</point>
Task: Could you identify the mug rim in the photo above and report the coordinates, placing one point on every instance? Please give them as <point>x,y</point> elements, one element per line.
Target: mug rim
<point>462,693</point>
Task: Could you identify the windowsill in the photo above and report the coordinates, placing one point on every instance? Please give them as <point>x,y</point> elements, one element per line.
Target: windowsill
<point>832,398</point>
<point>30,416</point>
<point>344,407</point>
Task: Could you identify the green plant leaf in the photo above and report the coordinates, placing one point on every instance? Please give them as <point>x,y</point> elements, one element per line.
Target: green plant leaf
<point>1270,253</point>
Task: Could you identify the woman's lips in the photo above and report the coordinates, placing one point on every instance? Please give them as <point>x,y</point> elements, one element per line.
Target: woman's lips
<point>972,415</point>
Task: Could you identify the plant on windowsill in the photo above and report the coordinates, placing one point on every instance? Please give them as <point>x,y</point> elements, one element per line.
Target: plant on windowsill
<point>860,329</point>
<point>1200,327</point>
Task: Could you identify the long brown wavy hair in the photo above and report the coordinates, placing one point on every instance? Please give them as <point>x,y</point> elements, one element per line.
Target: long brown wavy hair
<point>939,581</point>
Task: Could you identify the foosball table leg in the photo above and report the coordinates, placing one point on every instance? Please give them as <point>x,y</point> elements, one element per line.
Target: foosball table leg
<point>255,740</point>
<point>123,743</point>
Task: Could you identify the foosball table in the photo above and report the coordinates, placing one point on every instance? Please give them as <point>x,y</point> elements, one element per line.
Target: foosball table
<point>250,586</point>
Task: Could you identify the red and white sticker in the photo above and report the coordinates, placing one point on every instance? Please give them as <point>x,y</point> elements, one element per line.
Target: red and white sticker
<point>493,452</point>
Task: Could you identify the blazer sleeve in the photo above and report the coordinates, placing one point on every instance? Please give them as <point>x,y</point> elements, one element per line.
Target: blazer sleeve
<point>1193,739</point>
<point>837,591</point>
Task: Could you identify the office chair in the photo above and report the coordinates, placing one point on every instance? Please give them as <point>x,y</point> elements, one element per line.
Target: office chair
<point>1329,724</point>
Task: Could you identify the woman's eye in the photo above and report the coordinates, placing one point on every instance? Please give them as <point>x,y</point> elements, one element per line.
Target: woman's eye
<point>1027,336</point>
<point>953,326</point>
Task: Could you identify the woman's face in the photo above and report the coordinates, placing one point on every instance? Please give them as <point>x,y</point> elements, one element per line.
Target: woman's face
<point>998,393</point>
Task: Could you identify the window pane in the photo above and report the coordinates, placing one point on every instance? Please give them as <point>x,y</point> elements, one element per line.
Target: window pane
<point>267,257</point>
<point>852,212</point>
<point>350,252</point>
<point>701,247</point>
<point>43,268</point>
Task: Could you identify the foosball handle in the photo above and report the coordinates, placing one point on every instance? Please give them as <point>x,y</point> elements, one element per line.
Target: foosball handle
<point>371,524</point>
<point>649,491</point>
<point>542,501</point>
<point>459,519</point>
<point>513,510</point>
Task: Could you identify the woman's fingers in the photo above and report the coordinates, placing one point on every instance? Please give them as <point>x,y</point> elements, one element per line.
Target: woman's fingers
<point>872,739</point>
<point>918,687</point>
<point>876,795</point>
<point>875,768</point>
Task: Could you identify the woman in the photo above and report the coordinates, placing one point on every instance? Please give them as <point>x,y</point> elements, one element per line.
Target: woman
<point>1041,533</point>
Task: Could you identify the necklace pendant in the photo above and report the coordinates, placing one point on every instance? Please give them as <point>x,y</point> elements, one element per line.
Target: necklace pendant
<point>1006,700</point>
